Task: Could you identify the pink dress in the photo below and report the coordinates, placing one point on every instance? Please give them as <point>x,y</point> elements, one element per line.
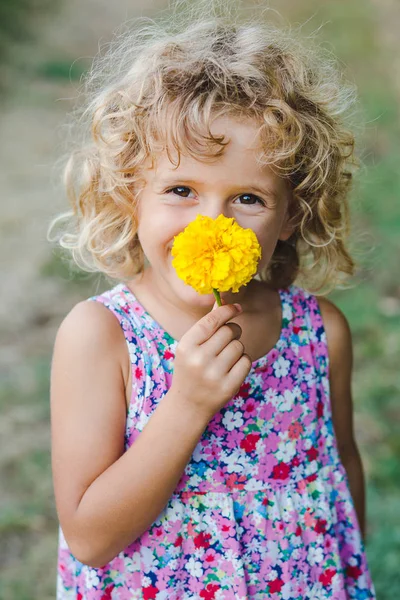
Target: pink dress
<point>263,508</point>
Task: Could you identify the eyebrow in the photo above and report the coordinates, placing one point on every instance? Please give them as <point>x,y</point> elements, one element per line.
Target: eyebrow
<point>257,187</point>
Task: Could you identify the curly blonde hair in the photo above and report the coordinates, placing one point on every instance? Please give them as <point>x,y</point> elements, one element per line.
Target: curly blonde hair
<point>160,87</point>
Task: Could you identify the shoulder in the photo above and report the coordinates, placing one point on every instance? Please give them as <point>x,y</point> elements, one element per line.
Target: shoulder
<point>338,334</point>
<point>90,323</point>
<point>92,333</point>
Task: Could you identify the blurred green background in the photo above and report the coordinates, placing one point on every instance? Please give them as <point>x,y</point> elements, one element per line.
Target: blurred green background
<point>44,48</point>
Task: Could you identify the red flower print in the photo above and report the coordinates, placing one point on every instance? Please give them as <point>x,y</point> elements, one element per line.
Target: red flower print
<point>209,557</point>
<point>244,390</point>
<point>275,585</point>
<point>295,430</point>
<point>150,593</point>
<point>328,543</point>
<point>296,329</point>
<point>249,407</point>
<point>320,409</point>
<point>326,578</point>
<point>107,593</point>
<point>249,442</point>
<point>353,572</point>
<point>235,481</point>
<point>178,541</point>
<point>202,540</point>
<point>209,592</point>
<point>320,526</point>
<point>281,471</point>
<point>298,530</point>
<point>312,454</point>
<point>138,373</point>
<point>295,461</point>
<point>79,596</point>
<point>168,355</point>
<point>311,478</point>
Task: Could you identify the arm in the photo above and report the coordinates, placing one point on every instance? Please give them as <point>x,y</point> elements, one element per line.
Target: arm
<point>341,362</point>
<point>106,498</point>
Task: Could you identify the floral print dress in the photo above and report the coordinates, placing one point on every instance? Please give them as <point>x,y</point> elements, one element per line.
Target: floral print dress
<point>263,508</point>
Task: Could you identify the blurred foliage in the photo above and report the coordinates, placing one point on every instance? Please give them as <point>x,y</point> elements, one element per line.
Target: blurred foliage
<point>61,69</point>
<point>16,19</point>
<point>372,305</point>
<point>19,20</point>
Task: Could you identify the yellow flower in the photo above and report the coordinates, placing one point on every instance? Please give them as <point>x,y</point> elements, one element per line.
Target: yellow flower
<point>215,254</point>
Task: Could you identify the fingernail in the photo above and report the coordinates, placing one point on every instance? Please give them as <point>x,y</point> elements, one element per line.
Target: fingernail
<point>239,308</point>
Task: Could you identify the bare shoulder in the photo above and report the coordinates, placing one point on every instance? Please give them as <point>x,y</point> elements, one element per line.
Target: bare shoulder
<point>89,323</point>
<point>92,331</point>
<point>338,333</point>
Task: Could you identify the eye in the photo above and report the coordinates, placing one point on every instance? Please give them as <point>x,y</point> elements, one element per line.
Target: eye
<point>249,199</point>
<point>180,190</point>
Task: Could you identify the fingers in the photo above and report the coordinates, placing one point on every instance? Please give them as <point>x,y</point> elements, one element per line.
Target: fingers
<point>222,337</point>
<point>240,369</point>
<point>229,355</point>
<point>210,323</point>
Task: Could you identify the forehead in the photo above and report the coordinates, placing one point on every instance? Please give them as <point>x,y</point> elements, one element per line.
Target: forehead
<point>237,157</point>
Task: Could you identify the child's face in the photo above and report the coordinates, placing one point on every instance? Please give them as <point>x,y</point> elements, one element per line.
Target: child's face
<point>233,184</point>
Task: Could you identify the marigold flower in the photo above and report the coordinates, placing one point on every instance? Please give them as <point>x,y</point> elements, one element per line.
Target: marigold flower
<point>215,255</point>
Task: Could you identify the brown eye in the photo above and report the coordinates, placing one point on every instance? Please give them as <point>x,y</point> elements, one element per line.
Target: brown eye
<point>250,199</point>
<point>180,191</point>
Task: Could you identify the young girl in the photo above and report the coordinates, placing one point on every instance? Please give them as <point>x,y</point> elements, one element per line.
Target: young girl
<point>202,451</point>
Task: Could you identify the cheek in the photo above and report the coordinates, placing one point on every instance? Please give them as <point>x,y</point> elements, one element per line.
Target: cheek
<point>267,253</point>
<point>157,229</point>
<point>267,239</point>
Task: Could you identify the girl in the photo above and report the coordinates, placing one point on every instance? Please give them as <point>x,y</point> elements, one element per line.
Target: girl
<point>203,453</point>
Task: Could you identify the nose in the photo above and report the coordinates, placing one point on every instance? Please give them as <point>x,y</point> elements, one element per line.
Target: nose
<point>213,207</point>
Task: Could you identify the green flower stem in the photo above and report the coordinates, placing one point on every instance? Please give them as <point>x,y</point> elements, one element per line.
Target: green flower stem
<point>217,297</point>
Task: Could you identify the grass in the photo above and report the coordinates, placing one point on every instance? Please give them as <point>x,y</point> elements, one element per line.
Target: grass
<point>28,520</point>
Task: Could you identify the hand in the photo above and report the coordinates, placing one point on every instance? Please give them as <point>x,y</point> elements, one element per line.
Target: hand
<point>210,363</point>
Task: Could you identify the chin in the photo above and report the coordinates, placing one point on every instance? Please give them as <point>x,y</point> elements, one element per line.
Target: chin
<point>190,296</point>
<point>197,299</point>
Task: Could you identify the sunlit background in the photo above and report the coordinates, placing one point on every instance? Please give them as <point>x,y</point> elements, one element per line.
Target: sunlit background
<point>45,47</point>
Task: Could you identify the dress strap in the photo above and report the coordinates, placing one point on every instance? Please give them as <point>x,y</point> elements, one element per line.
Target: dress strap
<point>116,301</point>
<point>309,326</point>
